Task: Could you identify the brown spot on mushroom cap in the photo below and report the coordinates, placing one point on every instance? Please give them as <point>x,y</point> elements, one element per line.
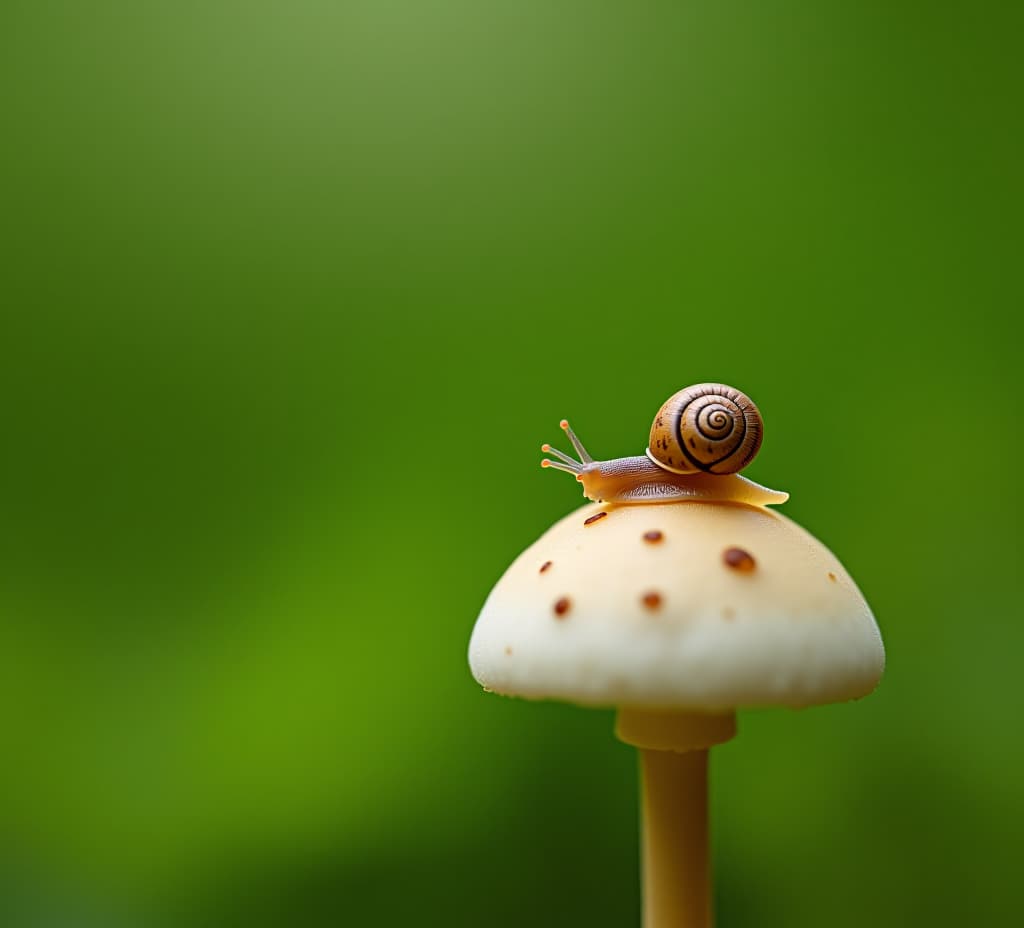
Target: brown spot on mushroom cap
<point>561,607</point>
<point>739,560</point>
<point>653,536</point>
<point>728,613</point>
<point>508,650</point>
<point>651,600</point>
<point>592,519</point>
<point>545,566</point>
<point>832,576</point>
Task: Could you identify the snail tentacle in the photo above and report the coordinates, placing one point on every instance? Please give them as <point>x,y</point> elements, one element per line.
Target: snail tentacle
<point>576,443</point>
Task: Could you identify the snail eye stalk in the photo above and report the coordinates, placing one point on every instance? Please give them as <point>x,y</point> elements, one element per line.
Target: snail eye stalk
<point>564,458</point>
<point>576,443</point>
<point>558,465</point>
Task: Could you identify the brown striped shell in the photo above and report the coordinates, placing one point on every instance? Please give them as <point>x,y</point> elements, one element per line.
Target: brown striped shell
<point>709,428</point>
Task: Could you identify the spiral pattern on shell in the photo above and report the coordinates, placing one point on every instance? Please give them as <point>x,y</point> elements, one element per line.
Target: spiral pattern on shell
<point>709,427</point>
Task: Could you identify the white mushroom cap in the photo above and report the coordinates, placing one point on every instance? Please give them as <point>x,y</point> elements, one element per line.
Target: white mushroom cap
<point>692,605</point>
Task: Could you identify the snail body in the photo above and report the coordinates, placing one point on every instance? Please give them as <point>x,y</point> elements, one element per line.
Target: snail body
<point>699,440</point>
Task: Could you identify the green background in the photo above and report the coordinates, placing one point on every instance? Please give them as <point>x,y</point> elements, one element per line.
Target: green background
<point>291,294</point>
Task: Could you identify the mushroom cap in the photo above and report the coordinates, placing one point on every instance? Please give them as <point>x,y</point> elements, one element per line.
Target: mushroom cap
<point>684,605</point>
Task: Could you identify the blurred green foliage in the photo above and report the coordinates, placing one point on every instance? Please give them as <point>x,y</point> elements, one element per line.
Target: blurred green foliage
<point>292,292</point>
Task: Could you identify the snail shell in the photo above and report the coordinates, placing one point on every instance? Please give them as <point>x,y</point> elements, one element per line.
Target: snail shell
<point>709,428</point>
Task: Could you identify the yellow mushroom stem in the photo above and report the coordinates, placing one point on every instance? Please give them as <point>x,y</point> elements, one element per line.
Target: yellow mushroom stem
<point>674,764</point>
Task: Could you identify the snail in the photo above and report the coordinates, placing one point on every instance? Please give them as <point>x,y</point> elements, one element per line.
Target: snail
<point>701,437</point>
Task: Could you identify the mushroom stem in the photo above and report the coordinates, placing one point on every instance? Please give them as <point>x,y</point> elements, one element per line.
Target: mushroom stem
<point>676,874</point>
<point>674,772</point>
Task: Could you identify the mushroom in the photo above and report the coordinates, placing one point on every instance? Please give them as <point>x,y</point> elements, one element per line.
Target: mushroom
<point>677,614</point>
